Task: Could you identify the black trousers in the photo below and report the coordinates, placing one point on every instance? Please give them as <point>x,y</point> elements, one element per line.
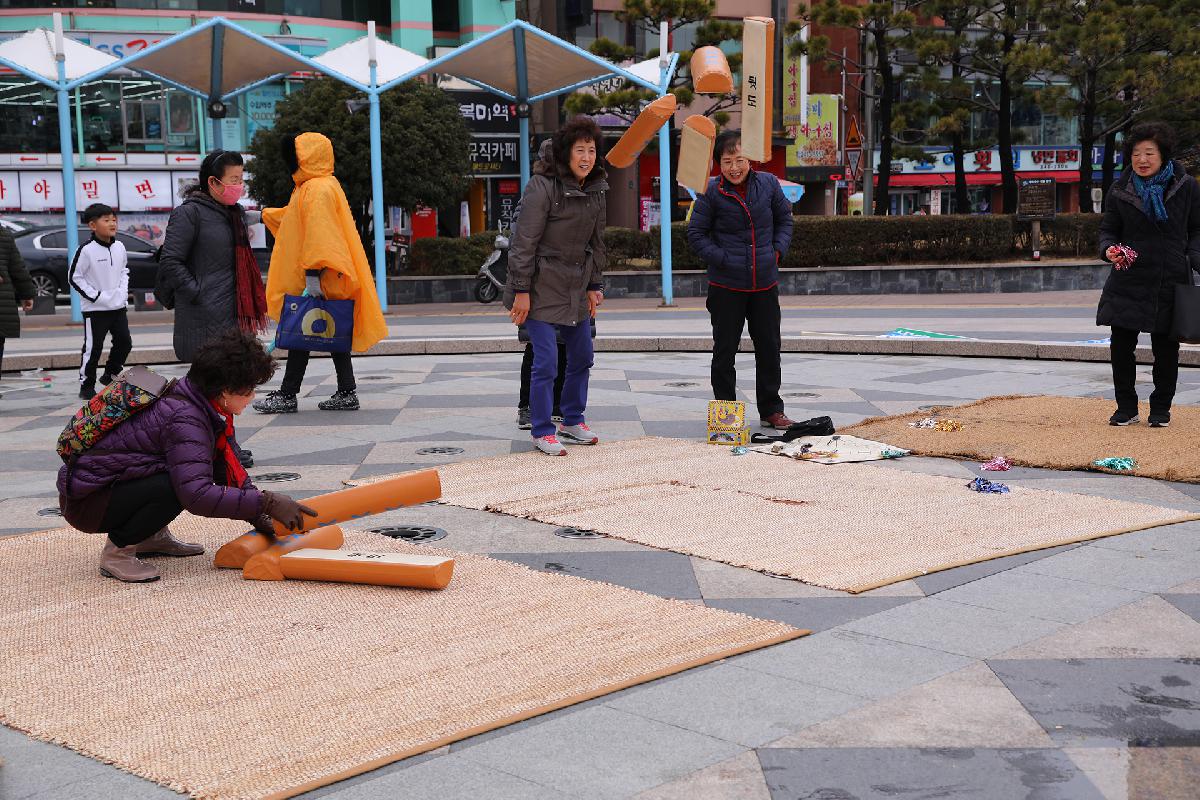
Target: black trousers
<point>96,326</point>
<point>527,376</point>
<point>140,508</point>
<point>1122,352</point>
<point>730,312</point>
<point>297,363</point>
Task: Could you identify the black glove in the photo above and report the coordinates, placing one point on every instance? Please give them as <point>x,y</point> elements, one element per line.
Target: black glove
<point>266,526</point>
<point>285,510</point>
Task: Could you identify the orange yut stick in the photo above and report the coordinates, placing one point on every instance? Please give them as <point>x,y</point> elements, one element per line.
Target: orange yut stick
<point>380,569</point>
<point>710,71</point>
<point>410,489</point>
<point>639,134</point>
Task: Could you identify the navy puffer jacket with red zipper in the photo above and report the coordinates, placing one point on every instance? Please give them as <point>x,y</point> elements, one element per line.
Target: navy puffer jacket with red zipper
<point>742,240</point>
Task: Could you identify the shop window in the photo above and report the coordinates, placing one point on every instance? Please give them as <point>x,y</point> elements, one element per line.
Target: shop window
<point>144,116</point>
<point>183,134</point>
<point>28,118</point>
<point>100,116</point>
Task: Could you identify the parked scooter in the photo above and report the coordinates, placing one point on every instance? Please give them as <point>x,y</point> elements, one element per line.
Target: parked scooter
<point>494,272</point>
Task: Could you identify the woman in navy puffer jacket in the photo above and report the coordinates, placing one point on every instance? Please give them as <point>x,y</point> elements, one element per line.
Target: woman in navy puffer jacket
<point>177,455</point>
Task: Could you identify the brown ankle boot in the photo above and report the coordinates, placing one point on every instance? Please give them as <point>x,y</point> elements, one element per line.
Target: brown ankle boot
<point>122,563</point>
<point>164,544</point>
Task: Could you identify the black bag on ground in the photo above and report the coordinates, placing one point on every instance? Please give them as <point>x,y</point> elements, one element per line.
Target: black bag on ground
<point>817,426</point>
<point>1186,327</point>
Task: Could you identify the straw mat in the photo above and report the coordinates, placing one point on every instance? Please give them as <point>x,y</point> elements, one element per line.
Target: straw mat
<point>852,527</point>
<point>1050,432</point>
<point>225,688</point>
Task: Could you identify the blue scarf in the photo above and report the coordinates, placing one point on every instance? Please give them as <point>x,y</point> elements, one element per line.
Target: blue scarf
<point>1151,191</point>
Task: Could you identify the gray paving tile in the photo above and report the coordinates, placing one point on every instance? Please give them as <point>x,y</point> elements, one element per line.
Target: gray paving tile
<point>681,429</point>
<point>736,705</point>
<point>654,572</point>
<point>813,613</point>
<point>954,627</point>
<point>1042,596</point>
<point>949,578</point>
<point>599,413</point>
<point>371,470</point>
<point>1187,603</point>
<point>1107,702</point>
<point>601,753</point>
<point>853,663</point>
<point>1139,571</point>
<point>934,376</point>
<point>1180,538</point>
<point>885,774</point>
<point>312,416</point>
<point>338,455</point>
<point>463,400</point>
<point>446,777</point>
<point>34,768</point>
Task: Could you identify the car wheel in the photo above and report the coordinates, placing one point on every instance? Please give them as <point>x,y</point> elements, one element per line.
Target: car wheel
<point>44,283</point>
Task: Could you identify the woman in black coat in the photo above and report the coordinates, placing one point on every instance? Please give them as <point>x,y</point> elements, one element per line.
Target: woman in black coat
<point>1153,209</point>
<point>16,289</point>
<point>207,272</point>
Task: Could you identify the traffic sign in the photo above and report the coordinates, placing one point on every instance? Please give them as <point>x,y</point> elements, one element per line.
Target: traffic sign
<point>853,137</point>
<point>853,159</point>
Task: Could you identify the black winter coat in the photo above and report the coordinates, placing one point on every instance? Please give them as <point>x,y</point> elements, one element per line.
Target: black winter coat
<point>742,242</point>
<point>15,286</point>
<point>1142,298</point>
<point>197,275</point>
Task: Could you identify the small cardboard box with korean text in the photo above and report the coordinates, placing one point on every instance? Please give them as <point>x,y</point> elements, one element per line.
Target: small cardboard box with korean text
<point>727,422</point>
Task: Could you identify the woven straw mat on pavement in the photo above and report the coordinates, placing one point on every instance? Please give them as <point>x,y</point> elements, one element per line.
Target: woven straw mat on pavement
<point>1050,432</point>
<point>852,527</point>
<point>225,688</point>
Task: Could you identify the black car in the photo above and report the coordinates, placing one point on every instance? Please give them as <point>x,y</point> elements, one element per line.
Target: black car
<point>45,253</point>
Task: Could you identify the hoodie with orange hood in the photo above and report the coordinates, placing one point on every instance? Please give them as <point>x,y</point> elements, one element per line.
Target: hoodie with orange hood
<point>316,231</point>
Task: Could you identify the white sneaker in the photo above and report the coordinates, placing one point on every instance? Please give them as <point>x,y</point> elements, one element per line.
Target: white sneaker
<point>549,445</point>
<point>578,434</point>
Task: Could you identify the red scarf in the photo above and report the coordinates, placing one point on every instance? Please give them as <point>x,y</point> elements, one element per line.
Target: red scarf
<point>235,473</point>
<point>251,297</point>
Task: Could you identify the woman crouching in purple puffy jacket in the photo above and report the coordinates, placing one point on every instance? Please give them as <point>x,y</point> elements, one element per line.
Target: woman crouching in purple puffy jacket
<point>179,454</point>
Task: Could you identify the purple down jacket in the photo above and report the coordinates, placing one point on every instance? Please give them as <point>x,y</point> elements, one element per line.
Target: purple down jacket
<point>177,436</point>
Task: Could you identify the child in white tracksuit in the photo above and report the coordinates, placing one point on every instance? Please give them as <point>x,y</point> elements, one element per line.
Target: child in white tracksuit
<point>100,274</point>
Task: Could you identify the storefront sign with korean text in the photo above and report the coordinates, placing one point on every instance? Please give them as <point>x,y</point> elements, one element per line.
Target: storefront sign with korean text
<point>485,112</point>
<point>494,156</point>
<point>146,191</point>
<point>817,140</point>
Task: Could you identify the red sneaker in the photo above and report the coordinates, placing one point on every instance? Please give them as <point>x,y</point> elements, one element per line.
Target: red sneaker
<point>577,434</point>
<point>549,445</point>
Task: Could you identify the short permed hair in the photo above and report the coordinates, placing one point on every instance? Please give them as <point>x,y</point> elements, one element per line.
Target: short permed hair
<point>727,141</point>
<point>234,361</point>
<point>577,129</point>
<point>96,211</point>
<point>1160,133</point>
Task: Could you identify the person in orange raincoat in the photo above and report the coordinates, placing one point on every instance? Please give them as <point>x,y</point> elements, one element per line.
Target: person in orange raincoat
<point>317,248</point>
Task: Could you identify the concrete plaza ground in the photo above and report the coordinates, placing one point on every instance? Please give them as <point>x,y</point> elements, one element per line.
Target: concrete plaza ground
<point>1065,673</point>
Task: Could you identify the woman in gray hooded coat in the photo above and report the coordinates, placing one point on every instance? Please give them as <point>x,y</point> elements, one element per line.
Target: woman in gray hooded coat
<point>555,273</point>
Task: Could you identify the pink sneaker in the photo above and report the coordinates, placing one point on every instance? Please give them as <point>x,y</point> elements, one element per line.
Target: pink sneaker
<point>578,434</point>
<point>549,445</point>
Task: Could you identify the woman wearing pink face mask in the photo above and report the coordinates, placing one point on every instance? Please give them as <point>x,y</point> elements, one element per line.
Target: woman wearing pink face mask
<point>207,271</point>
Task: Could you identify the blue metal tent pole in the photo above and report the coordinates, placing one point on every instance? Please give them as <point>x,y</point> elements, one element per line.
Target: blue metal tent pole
<point>376,173</point>
<point>664,183</point>
<point>68,159</point>
<point>522,100</point>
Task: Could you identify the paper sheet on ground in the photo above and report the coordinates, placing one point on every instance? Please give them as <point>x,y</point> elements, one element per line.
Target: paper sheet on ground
<point>836,449</point>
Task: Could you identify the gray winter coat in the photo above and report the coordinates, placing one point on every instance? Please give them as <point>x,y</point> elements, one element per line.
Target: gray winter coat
<point>197,274</point>
<point>15,285</point>
<point>557,251</point>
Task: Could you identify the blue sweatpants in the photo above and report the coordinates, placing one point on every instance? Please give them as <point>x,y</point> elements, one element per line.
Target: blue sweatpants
<point>578,342</point>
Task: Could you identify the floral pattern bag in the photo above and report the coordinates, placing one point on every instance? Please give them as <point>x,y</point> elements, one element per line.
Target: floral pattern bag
<point>132,392</point>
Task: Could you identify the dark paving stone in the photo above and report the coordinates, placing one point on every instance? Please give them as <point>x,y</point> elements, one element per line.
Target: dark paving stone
<point>40,460</point>
<point>1190,489</point>
<point>17,531</point>
<point>49,421</point>
<point>1107,702</point>
<point>663,574</point>
<point>873,395</point>
<point>949,578</point>
<point>922,774</point>
<point>935,375</point>
<point>864,408</point>
<point>1187,603</point>
<point>813,613</point>
<point>462,401</point>
<point>612,386</point>
<point>1033,473</point>
<point>337,455</point>
<point>596,413</point>
<point>478,363</point>
<point>313,417</point>
<point>371,470</point>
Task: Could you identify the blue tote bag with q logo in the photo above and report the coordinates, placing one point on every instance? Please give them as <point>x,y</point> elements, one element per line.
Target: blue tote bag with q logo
<point>311,323</point>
